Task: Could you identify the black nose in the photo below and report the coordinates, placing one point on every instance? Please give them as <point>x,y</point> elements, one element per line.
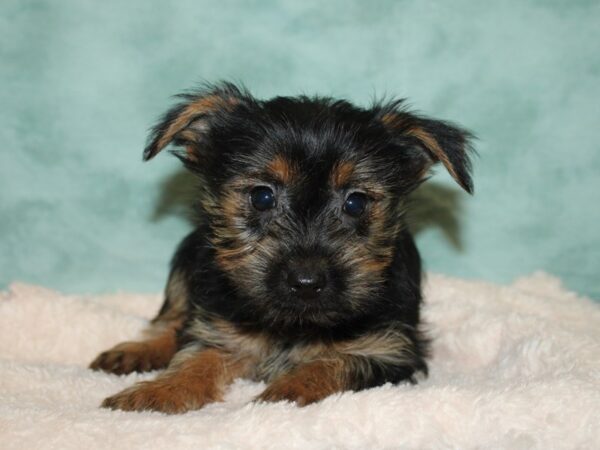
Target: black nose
<point>306,282</point>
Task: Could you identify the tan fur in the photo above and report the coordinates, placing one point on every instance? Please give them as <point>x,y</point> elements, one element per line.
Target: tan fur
<point>372,258</point>
<point>176,294</point>
<point>432,145</point>
<point>282,169</point>
<point>242,253</point>
<point>271,359</point>
<point>232,225</point>
<point>321,370</point>
<point>396,121</point>
<point>196,379</point>
<point>221,334</point>
<point>308,383</point>
<point>385,346</point>
<point>304,373</point>
<point>392,120</point>
<point>257,348</point>
<point>341,174</point>
<point>201,106</point>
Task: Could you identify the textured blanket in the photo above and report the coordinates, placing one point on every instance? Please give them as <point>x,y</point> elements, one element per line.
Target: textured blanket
<point>512,367</point>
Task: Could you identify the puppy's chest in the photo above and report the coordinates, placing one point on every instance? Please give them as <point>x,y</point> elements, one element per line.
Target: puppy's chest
<point>269,357</point>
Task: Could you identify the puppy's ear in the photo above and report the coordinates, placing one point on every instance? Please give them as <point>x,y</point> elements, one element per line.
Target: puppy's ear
<point>188,123</point>
<point>437,140</point>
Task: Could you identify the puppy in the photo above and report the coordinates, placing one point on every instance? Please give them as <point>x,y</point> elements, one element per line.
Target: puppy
<point>301,272</point>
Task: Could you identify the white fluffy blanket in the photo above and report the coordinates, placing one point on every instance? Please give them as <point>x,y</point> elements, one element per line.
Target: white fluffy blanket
<point>513,367</point>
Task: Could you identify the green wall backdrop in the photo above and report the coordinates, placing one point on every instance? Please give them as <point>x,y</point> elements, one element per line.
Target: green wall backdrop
<point>81,82</point>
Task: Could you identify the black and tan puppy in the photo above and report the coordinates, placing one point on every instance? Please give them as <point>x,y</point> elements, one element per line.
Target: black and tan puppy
<point>301,271</point>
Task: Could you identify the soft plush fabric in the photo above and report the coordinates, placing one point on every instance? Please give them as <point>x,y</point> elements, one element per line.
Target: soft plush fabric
<point>82,81</point>
<point>513,367</point>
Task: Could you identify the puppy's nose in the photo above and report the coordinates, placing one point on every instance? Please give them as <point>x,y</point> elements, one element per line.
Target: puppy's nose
<point>306,282</point>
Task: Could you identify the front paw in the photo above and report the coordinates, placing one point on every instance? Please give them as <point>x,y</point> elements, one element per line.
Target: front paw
<point>125,358</point>
<point>161,396</point>
<point>146,396</point>
<point>291,392</point>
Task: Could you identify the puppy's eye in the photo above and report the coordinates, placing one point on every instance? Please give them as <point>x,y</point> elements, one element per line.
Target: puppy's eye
<point>262,198</point>
<point>355,204</point>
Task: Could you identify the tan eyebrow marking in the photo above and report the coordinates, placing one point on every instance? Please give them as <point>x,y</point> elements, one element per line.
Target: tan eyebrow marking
<point>341,174</point>
<point>282,169</point>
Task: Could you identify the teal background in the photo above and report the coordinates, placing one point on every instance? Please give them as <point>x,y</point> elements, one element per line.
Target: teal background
<point>81,82</point>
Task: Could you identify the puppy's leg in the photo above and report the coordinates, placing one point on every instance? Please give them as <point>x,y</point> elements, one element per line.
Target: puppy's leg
<point>390,355</point>
<point>308,383</point>
<point>316,380</point>
<point>194,378</point>
<point>160,345</point>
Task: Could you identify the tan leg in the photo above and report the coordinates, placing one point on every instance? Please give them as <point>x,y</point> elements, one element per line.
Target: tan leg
<point>307,384</point>
<point>195,378</point>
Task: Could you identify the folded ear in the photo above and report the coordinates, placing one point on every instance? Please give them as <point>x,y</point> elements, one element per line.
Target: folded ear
<point>188,122</point>
<point>439,141</point>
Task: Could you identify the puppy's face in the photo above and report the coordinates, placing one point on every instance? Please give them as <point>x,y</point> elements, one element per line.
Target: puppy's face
<point>304,197</point>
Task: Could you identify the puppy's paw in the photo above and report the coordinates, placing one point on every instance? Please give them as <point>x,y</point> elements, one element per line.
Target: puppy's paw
<point>145,396</point>
<point>126,358</point>
<point>161,396</point>
<point>289,391</point>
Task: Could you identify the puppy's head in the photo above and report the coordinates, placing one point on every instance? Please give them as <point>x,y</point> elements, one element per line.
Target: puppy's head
<point>304,197</point>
